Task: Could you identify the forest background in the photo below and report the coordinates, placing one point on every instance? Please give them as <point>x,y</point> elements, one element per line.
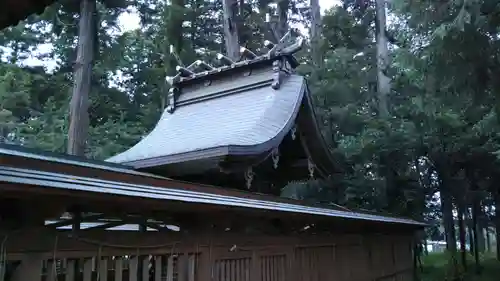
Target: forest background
<point>410,105</point>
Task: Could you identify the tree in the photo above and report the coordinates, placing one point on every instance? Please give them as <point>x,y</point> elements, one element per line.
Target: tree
<point>383,81</point>
<point>79,120</point>
<point>231,38</point>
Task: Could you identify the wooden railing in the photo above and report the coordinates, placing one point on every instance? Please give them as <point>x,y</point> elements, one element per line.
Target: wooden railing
<point>168,267</point>
<point>356,258</point>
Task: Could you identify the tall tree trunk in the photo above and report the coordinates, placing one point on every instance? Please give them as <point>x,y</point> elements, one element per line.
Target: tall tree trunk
<point>175,33</point>
<point>231,37</point>
<point>486,226</point>
<point>475,211</point>
<point>461,229</point>
<point>316,34</point>
<point>79,118</point>
<point>443,168</point>
<point>282,27</point>
<point>4,133</point>
<point>426,250</point>
<point>497,222</point>
<point>488,240</point>
<point>481,241</point>
<point>449,225</point>
<point>470,231</point>
<point>383,81</point>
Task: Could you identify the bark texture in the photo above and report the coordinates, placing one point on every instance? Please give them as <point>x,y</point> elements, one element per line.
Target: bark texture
<point>231,37</point>
<point>383,81</point>
<point>316,33</point>
<point>79,118</point>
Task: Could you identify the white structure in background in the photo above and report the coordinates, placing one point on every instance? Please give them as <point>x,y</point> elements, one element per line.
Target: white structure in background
<point>435,246</point>
<point>440,246</point>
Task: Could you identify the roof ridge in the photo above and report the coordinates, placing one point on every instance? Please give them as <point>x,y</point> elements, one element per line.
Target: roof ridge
<point>279,56</point>
<point>286,47</point>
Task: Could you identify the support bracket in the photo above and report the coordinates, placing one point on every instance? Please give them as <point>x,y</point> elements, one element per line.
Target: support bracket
<point>293,132</point>
<point>172,92</point>
<point>275,155</point>
<point>278,74</point>
<point>310,167</point>
<point>249,175</point>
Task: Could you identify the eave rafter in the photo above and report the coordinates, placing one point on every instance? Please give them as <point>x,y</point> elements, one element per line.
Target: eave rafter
<point>106,222</point>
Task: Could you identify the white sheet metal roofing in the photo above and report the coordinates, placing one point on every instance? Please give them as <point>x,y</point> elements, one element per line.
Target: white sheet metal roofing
<point>258,116</point>
<point>19,151</point>
<point>69,182</point>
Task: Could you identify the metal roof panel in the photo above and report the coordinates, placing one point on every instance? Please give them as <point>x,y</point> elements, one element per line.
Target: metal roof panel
<point>20,151</point>
<point>69,182</point>
<point>251,121</point>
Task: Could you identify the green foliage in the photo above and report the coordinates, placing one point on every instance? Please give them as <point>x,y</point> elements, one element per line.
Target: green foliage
<point>436,267</point>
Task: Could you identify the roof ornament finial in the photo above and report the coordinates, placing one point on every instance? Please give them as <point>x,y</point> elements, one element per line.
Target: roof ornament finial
<point>268,44</point>
<point>184,72</point>
<point>203,65</point>
<point>176,56</point>
<point>192,66</point>
<point>283,46</point>
<point>171,80</point>
<point>224,59</point>
<point>247,54</point>
<point>282,51</point>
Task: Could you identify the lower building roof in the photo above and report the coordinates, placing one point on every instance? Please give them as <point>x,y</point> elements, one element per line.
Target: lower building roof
<point>167,190</point>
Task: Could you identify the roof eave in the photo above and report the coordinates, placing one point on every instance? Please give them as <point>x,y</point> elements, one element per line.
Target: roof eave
<point>114,188</point>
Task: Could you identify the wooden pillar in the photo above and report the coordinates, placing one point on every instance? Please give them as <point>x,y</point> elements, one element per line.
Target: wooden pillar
<point>76,227</point>
<point>30,268</point>
<point>142,261</point>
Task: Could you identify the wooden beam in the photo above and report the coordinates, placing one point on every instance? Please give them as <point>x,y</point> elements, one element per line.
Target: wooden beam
<point>75,220</point>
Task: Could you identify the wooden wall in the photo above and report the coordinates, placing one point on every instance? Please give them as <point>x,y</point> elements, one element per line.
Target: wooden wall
<point>107,256</point>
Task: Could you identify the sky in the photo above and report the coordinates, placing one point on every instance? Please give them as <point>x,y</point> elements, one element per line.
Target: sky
<point>130,21</point>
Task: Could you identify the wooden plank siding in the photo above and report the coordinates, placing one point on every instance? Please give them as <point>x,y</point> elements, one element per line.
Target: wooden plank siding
<point>333,257</point>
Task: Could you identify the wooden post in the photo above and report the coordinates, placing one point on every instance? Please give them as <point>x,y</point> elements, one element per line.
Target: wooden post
<point>29,269</point>
<point>142,265</point>
<point>158,268</point>
<point>77,219</point>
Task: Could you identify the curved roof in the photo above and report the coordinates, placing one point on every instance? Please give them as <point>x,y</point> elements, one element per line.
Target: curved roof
<point>230,118</point>
<point>248,122</point>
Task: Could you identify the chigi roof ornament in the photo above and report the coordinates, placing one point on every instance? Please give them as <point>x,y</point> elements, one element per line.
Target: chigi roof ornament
<point>234,116</point>
<point>285,48</point>
<point>280,54</point>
